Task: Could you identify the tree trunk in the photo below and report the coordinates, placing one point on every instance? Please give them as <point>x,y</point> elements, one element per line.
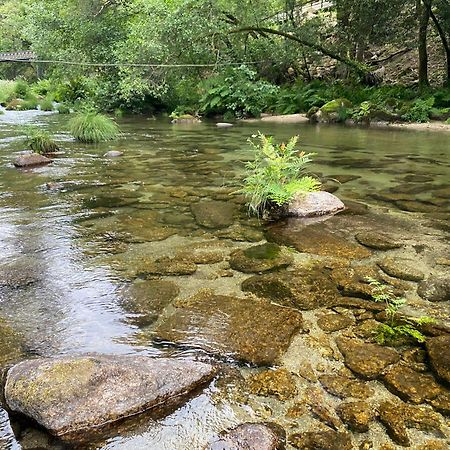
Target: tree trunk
<point>424,18</point>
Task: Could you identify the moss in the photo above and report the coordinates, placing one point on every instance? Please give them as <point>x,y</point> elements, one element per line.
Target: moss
<point>335,105</point>
<point>265,251</point>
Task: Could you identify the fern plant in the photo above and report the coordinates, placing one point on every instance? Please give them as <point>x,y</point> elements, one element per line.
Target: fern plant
<point>276,174</point>
<point>395,327</point>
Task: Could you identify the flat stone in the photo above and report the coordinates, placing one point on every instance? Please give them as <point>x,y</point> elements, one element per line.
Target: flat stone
<point>435,289</point>
<point>19,274</point>
<point>230,327</point>
<point>278,383</point>
<point>148,298</point>
<point>313,204</point>
<point>416,206</point>
<point>213,214</point>
<point>334,322</point>
<point>321,440</point>
<point>343,387</point>
<point>31,160</point>
<point>377,241</point>
<point>261,258</point>
<point>251,436</point>
<point>356,415</point>
<point>402,268</point>
<point>223,125</point>
<point>314,239</point>
<point>439,353</point>
<point>367,360</point>
<point>353,208</point>
<point>410,385</point>
<point>113,154</point>
<point>304,289</point>
<point>442,402</point>
<point>71,395</point>
<point>166,266</point>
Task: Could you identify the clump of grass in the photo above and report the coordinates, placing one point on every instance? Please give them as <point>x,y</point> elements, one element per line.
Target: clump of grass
<point>276,175</point>
<point>40,141</point>
<point>7,91</point>
<point>46,104</point>
<point>395,326</point>
<point>30,102</point>
<point>21,88</point>
<point>93,127</point>
<point>63,108</point>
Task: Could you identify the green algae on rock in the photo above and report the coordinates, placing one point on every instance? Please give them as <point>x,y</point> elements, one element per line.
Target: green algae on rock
<point>11,345</point>
<point>78,394</point>
<point>232,327</point>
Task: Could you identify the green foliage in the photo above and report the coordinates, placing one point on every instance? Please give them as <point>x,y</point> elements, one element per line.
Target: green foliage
<point>92,127</point>
<point>63,108</point>
<point>40,141</point>
<point>7,91</point>
<point>420,110</point>
<point>362,112</point>
<point>30,102</point>
<point>276,174</point>
<point>448,121</point>
<point>237,91</point>
<point>395,326</point>
<point>21,88</point>
<point>46,104</point>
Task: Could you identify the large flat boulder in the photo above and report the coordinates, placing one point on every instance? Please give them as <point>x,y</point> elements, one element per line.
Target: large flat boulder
<point>439,354</point>
<point>71,395</point>
<point>314,204</point>
<point>231,327</point>
<point>31,160</point>
<point>213,214</point>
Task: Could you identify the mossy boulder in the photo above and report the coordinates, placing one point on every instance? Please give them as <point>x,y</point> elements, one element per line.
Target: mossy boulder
<point>333,111</point>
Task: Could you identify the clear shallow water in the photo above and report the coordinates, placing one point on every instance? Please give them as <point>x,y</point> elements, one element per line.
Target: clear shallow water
<point>66,225</point>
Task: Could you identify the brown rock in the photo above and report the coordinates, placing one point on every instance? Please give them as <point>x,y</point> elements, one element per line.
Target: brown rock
<point>251,436</point>
<point>377,241</point>
<point>334,322</point>
<point>31,160</point>
<point>356,415</point>
<point>322,440</point>
<point>167,266</point>
<point>366,360</point>
<point>402,268</point>
<point>278,383</point>
<point>240,328</point>
<point>439,352</point>
<point>71,395</point>
<point>435,289</point>
<point>345,387</point>
<point>213,214</point>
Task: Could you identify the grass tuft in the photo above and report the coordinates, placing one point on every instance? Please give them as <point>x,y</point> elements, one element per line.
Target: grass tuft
<point>92,127</point>
<point>40,141</point>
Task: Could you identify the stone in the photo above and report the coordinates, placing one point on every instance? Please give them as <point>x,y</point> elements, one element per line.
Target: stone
<point>113,154</point>
<point>402,268</point>
<point>435,289</point>
<point>7,438</point>
<point>19,274</point>
<point>31,160</point>
<point>304,288</point>
<point>367,360</point>
<point>334,322</point>
<point>11,345</point>
<point>251,436</point>
<point>356,415</point>
<point>377,241</point>
<point>353,208</point>
<point>410,385</point>
<point>206,252</point>
<point>416,206</point>
<point>186,119</point>
<point>166,266</point>
<point>148,298</point>
<point>442,402</point>
<point>314,204</point>
<point>223,125</point>
<point>77,394</point>
<point>397,417</point>
<point>314,239</point>
<point>344,387</point>
<point>213,214</point>
<point>278,383</point>
<point>231,327</point>
<point>439,354</point>
<point>261,258</point>
<point>321,440</point>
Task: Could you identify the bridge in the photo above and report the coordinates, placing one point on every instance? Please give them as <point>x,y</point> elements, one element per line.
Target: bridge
<point>25,56</point>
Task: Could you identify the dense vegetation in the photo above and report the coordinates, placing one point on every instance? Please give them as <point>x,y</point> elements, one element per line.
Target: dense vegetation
<point>388,58</point>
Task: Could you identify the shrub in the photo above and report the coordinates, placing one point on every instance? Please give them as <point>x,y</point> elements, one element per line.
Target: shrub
<point>448,121</point>
<point>21,88</point>
<point>14,104</point>
<point>395,326</point>
<point>29,103</point>
<point>7,91</point>
<point>63,108</point>
<point>419,111</point>
<point>92,127</point>
<point>276,174</point>
<point>46,104</point>
<point>40,141</point>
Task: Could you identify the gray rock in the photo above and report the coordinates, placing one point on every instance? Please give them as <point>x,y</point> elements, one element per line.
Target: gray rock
<point>367,360</point>
<point>251,436</point>
<point>113,154</point>
<point>223,125</point>
<point>213,214</point>
<point>71,395</point>
<point>402,268</point>
<point>313,204</point>
<point>439,353</point>
<point>230,327</point>
<point>261,258</point>
<point>7,438</point>
<point>435,289</point>
<point>31,160</point>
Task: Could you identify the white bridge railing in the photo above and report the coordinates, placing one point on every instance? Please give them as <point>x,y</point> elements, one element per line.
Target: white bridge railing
<point>17,56</point>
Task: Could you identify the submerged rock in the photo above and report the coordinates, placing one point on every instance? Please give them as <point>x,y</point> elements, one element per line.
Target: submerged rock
<point>305,289</point>
<point>402,268</point>
<point>11,345</point>
<point>213,214</point>
<point>261,258</point>
<point>167,266</point>
<point>278,383</point>
<point>356,415</point>
<point>246,329</point>
<point>71,395</point>
<point>435,289</point>
<point>367,360</point>
<point>343,387</point>
<point>223,125</point>
<point>313,204</point>
<point>251,436</point>
<point>377,241</point>
<point>7,438</point>
<point>322,440</point>
<point>31,160</point>
<point>439,353</point>
<point>113,154</point>
<point>314,239</point>
<point>334,322</point>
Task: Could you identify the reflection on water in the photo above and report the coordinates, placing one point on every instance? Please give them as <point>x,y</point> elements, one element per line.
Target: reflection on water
<point>70,232</point>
